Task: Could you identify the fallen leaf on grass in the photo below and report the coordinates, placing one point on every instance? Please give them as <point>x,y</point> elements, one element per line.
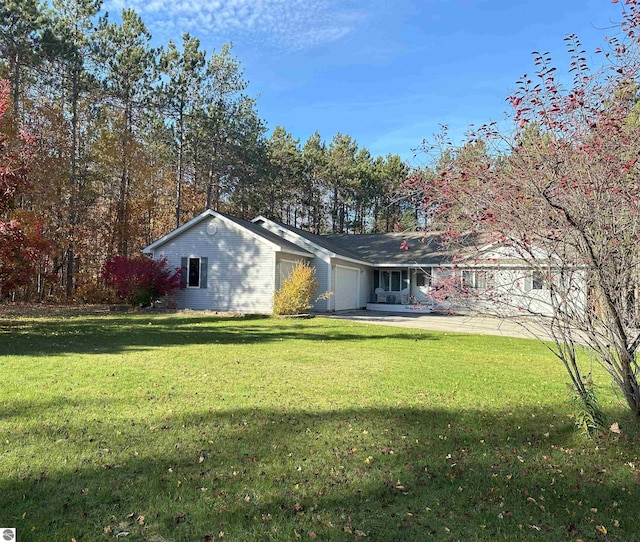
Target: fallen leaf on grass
<point>572,529</point>
<point>615,428</point>
<point>177,519</point>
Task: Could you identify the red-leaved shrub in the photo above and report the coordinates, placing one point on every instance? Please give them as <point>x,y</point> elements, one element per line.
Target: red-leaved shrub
<point>140,281</point>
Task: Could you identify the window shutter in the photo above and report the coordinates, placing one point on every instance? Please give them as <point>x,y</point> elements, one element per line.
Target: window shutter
<point>376,279</point>
<point>204,266</point>
<point>183,264</point>
<point>405,279</point>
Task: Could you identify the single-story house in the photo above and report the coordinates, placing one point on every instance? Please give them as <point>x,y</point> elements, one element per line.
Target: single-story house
<point>231,264</point>
<point>237,265</point>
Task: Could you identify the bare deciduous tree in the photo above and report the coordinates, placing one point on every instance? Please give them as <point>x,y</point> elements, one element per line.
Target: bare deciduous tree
<point>560,197</point>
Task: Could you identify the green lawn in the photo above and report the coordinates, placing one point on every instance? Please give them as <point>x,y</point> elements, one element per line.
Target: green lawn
<point>195,427</point>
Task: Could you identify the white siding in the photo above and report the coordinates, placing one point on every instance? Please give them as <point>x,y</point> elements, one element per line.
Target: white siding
<point>419,293</point>
<point>241,272</point>
<point>507,292</point>
<point>514,288</point>
<point>366,285</point>
<point>322,276</point>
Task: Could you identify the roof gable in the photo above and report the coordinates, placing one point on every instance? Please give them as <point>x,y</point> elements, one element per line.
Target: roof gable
<point>277,242</point>
<point>323,243</point>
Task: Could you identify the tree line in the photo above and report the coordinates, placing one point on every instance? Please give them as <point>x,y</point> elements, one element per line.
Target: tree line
<point>129,141</point>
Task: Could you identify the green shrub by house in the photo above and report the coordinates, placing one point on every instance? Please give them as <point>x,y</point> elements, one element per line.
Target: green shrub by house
<point>296,291</point>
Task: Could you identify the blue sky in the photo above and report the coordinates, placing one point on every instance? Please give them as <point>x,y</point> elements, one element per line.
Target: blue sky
<point>386,72</point>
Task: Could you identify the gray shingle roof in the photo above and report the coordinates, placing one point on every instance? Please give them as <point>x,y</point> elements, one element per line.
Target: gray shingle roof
<point>325,241</point>
<point>428,249</point>
<point>285,245</point>
<point>384,248</point>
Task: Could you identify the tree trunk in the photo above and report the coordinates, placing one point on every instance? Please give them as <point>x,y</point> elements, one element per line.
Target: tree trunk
<point>630,385</point>
<point>180,164</point>
<point>334,210</point>
<point>16,91</point>
<point>125,183</point>
<point>121,220</point>
<point>73,181</point>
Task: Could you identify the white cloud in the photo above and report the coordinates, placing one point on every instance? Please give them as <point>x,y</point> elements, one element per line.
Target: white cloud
<point>286,24</point>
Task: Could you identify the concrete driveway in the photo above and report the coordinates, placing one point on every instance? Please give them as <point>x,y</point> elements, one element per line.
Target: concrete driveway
<point>439,322</point>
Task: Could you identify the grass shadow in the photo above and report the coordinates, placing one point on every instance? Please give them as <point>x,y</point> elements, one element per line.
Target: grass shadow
<point>371,473</point>
<point>108,335</point>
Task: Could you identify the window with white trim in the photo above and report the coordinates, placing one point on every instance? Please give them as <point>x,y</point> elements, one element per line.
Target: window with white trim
<point>423,278</point>
<point>392,280</point>
<point>478,279</point>
<point>537,281</point>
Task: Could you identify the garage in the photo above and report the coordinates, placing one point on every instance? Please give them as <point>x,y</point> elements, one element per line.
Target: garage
<point>347,288</point>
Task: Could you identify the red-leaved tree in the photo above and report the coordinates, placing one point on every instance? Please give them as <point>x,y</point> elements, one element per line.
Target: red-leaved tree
<point>140,280</point>
<point>17,256</point>
<point>558,196</point>
<point>19,249</point>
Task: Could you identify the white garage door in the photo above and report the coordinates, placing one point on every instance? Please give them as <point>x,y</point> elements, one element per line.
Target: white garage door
<point>347,290</point>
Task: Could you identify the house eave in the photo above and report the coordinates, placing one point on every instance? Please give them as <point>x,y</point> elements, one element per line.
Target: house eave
<point>351,260</point>
<point>326,252</point>
<point>295,253</point>
<point>415,265</point>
